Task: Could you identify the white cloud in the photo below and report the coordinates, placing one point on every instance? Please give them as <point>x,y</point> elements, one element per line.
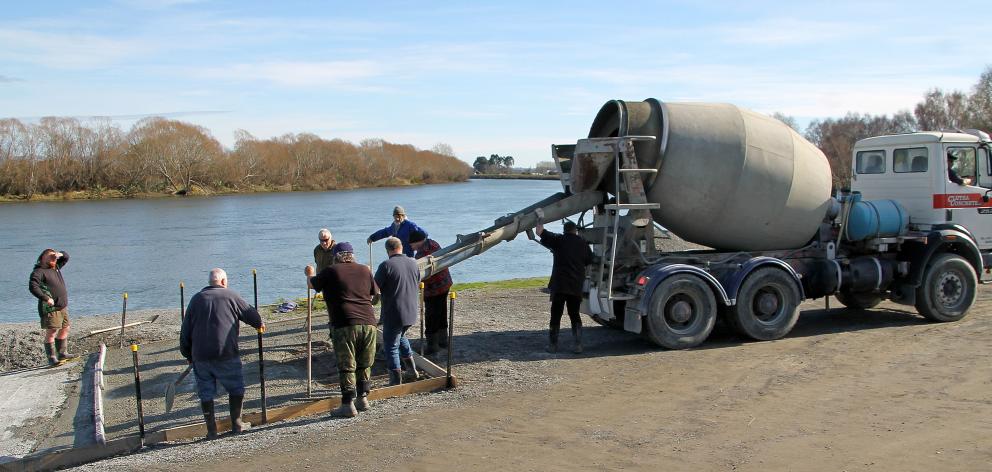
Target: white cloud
<point>340,74</point>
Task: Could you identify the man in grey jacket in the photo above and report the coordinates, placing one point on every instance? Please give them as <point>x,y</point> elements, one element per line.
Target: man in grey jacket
<point>399,280</point>
<point>48,286</point>
<point>209,340</point>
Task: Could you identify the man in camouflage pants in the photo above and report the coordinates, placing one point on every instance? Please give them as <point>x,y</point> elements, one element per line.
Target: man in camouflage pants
<point>349,291</point>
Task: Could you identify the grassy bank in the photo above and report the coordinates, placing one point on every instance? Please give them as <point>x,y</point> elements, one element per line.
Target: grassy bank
<point>514,176</point>
<point>532,283</point>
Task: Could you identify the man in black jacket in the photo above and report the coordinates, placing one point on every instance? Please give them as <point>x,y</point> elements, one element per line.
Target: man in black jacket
<point>209,339</point>
<point>571,256</point>
<point>48,286</point>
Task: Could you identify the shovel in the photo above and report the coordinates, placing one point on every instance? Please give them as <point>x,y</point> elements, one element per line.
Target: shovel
<point>170,391</point>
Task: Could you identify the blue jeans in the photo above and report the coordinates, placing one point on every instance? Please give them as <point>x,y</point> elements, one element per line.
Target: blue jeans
<point>225,371</point>
<point>395,345</point>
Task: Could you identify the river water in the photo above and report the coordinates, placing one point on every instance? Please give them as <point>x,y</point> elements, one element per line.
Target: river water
<point>146,247</point>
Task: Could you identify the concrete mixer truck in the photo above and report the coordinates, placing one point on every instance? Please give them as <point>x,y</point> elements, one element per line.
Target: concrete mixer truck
<point>759,197</point>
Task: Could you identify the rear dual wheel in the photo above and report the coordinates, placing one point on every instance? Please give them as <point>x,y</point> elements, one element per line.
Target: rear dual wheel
<point>767,305</point>
<point>682,312</point>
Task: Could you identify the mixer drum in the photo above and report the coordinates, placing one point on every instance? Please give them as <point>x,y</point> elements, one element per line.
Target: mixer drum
<point>728,178</point>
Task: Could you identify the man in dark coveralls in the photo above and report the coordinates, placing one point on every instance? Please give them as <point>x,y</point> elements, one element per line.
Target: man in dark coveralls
<point>47,285</point>
<point>571,256</point>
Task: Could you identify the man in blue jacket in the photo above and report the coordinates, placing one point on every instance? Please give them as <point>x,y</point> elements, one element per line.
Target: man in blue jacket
<point>401,228</point>
<point>209,340</point>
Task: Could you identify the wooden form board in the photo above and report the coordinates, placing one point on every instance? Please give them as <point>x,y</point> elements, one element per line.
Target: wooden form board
<point>131,444</point>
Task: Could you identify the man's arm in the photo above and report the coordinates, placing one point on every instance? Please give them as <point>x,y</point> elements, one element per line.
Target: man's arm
<point>186,334</point>
<point>62,260</point>
<point>379,278</point>
<point>382,233</point>
<point>247,313</point>
<point>549,239</point>
<point>34,286</point>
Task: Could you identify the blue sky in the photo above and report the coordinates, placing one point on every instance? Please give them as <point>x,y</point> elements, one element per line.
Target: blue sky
<point>505,77</point>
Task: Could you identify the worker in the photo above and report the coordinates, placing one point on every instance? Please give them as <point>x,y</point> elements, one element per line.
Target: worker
<point>399,278</point>
<point>349,291</point>
<point>401,228</point>
<point>209,340</point>
<point>571,256</point>
<point>323,254</point>
<point>48,286</point>
<point>952,174</point>
<point>436,289</point>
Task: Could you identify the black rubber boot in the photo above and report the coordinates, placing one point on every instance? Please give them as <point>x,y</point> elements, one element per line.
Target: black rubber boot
<point>552,341</point>
<point>347,408</point>
<point>51,354</point>
<point>395,377</point>
<point>237,426</point>
<point>208,417</point>
<point>62,346</point>
<point>577,339</point>
<point>432,343</point>
<point>362,392</point>
<point>410,366</point>
<point>442,339</point>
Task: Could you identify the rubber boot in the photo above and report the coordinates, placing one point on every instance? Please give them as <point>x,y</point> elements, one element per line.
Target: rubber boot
<point>51,354</point>
<point>237,426</point>
<point>442,339</point>
<point>62,346</point>
<point>432,343</point>
<point>395,377</point>
<point>208,417</point>
<point>552,341</point>
<point>362,400</point>
<point>410,366</point>
<point>347,408</point>
<point>577,339</point>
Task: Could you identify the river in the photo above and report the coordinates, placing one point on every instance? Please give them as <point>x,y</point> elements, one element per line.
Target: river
<point>146,247</point>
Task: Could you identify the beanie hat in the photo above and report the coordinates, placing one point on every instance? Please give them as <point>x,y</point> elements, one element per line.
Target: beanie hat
<point>398,210</point>
<point>417,236</point>
<point>342,247</point>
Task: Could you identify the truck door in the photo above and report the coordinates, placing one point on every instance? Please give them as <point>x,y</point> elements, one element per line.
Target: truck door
<point>963,204</point>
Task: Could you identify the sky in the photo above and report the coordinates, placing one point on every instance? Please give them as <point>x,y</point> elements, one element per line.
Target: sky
<point>509,77</point>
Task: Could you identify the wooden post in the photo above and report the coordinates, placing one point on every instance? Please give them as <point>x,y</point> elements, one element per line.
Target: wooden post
<point>451,334</point>
<point>137,393</point>
<point>123,318</point>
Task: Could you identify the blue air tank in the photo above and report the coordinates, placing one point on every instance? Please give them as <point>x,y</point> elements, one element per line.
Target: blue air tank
<point>870,219</point>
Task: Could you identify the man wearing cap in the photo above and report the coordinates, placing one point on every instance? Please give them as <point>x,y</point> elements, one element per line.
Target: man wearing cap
<point>349,292</point>
<point>398,277</point>
<point>952,174</point>
<point>436,289</point>
<point>323,254</point>
<point>47,285</point>
<point>209,340</point>
<point>571,256</point>
<point>401,228</point>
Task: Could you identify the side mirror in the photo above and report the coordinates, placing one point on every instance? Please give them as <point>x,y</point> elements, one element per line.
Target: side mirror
<point>985,198</point>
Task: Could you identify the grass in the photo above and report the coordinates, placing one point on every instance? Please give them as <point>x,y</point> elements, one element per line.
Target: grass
<point>318,303</point>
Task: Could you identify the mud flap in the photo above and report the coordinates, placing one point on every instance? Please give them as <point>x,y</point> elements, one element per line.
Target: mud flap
<point>632,320</point>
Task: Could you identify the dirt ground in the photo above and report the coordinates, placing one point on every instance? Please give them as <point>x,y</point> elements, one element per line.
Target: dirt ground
<point>847,390</point>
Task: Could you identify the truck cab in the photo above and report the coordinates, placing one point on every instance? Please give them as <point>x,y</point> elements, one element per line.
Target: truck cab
<point>916,170</point>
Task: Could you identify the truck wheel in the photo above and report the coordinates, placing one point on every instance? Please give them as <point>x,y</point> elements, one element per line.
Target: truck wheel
<point>767,305</point>
<point>948,289</point>
<point>682,312</point>
<point>859,300</point>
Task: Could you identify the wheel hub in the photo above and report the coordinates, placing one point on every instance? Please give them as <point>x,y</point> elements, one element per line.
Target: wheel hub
<point>680,312</point>
<point>766,305</point>
<point>950,289</point>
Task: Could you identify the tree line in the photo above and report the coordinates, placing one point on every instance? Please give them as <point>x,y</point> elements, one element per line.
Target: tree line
<point>939,110</point>
<point>492,164</point>
<point>158,155</point>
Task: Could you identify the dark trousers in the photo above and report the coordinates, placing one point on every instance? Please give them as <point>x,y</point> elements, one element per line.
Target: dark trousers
<point>559,302</point>
<point>436,313</point>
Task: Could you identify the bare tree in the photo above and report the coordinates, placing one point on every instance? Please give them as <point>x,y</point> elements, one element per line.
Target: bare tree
<point>788,120</point>
<point>980,103</point>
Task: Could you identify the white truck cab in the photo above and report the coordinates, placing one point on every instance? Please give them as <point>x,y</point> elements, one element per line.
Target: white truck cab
<point>917,170</point>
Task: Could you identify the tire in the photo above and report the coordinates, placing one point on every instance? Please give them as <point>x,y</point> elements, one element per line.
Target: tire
<point>859,300</point>
<point>767,305</point>
<point>682,312</point>
<point>948,290</point>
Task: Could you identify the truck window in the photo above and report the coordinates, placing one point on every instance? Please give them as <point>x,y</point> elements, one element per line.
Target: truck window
<point>910,160</point>
<point>870,162</point>
<point>965,162</point>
